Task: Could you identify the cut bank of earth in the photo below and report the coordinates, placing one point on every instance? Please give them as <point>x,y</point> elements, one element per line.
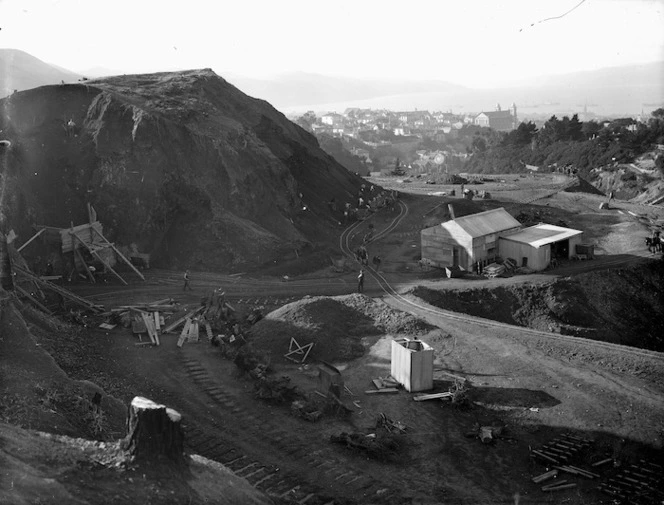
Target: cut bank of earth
<point>590,305</point>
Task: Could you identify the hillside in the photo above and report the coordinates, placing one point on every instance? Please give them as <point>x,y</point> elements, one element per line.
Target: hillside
<point>21,71</point>
<point>182,164</point>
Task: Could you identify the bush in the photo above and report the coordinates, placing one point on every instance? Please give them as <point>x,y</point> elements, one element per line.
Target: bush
<point>659,162</point>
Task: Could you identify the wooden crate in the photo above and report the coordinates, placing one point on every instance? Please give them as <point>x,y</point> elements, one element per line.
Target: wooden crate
<point>330,380</point>
<point>412,364</point>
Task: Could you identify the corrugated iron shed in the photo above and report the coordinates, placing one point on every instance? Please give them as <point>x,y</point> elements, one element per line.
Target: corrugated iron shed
<point>486,223</point>
<point>542,234</point>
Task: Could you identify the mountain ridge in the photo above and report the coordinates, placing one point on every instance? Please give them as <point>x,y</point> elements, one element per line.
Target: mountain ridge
<point>20,71</point>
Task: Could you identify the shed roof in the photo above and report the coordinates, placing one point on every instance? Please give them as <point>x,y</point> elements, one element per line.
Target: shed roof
<point>542,234</point>
<point>485,223</point>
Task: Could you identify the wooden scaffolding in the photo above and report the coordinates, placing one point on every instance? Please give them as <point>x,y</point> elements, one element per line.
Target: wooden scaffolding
<point>90,237</point>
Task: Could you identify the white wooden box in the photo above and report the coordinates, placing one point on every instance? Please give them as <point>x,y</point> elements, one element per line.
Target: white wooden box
<point>412,364</point>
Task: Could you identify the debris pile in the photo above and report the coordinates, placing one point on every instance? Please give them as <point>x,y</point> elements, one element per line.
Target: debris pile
<point>275,389</point>
<point>307,410</point>
<point>386,424</point>
<point>380,446</point>
<point>143,318</point>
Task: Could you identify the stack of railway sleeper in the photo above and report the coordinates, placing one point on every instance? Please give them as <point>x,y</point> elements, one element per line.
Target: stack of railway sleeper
<point>561,450</point>
<point>637,483</point>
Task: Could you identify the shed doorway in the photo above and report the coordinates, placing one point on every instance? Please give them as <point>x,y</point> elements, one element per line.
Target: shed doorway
<point>560,250</point>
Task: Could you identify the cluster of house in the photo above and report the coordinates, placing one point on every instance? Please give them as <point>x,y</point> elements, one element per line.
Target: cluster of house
<point>478,239</point>
<point>417,123</point>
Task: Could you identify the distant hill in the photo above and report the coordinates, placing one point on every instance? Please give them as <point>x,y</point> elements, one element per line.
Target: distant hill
<point>20,71</point>
<point>606,92</point>
<point>300,88</point>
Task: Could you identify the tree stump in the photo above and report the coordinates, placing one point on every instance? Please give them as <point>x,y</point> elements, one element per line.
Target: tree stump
<point>154,432</point>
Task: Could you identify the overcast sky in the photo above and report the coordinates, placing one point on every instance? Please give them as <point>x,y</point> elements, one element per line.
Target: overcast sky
<point>472,42</point>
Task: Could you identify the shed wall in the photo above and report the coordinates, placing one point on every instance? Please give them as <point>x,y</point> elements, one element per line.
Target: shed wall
<point>573,241</point>
<point>413,369</point>
<point>438,246</point>
<point>537,259</point>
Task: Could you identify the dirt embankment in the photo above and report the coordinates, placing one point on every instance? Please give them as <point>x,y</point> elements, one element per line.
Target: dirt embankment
<point>622,306</point>
<point>183,164</point>
<point>335,325</point>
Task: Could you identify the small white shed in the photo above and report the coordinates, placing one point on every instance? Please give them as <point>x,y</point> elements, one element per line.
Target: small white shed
<point>534,247</point>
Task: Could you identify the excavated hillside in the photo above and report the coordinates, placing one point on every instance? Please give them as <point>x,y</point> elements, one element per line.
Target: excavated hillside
<point>182,164</point>
<point>591,305</point>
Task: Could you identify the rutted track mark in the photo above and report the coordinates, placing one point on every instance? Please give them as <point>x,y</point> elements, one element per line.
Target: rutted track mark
<point>329,469</point>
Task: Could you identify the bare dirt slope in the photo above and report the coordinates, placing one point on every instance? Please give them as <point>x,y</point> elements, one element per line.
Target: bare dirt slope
<point>182,164</point>
<point>590,305</point>
<point>43,414</point>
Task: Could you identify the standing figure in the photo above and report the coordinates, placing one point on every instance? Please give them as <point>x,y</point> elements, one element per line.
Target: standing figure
<point>376,262</point>
<point>360,281</point>
<point>186,281</point>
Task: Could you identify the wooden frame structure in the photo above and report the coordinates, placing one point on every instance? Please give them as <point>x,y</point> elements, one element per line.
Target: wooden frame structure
<point>294,348</point>
<point>90,237</point>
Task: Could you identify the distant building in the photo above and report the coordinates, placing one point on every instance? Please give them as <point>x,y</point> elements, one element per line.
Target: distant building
<point>483,237</point>
<point>536,246</point>
<point>466,240</point>
<point>499,120</point>
<point>415,118</point>
<point>332,119</point>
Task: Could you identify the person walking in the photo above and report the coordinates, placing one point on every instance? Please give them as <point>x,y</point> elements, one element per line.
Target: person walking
<point>186,281</point>
<point>360,281</point>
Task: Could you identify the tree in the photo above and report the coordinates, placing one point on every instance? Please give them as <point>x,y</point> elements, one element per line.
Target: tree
<point>522,136</point>
<point>659,163</point>
<point>590,128</point>
<point>479,144</point>
<point>574,129</point>
<point>398,169</point>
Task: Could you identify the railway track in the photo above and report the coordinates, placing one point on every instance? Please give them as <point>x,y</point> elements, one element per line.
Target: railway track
<point>243,425</point>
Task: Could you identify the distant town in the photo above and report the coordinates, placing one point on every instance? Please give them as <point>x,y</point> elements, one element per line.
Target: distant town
<point>433,143</point>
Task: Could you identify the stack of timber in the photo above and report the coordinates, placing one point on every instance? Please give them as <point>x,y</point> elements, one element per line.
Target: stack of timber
<point>493,270</point>
<point>561,450</point>
<point>190,332</point>
<point>640,482</point>
<point>146,318</point>
<point>180,318</point>
<point>384,385</point>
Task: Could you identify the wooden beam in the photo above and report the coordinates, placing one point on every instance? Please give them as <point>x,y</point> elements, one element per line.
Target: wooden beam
<point>60,290</point>
<point>96,255</point>
<point>178,322</point>
<point>119,253</point>
<point>109,267</point>
<point>31,239</point>
<point>32,299</point>
<point>85,265</point>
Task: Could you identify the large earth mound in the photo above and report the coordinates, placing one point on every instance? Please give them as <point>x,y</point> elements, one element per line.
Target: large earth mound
<point>182,164</point>
<point>336,326</point>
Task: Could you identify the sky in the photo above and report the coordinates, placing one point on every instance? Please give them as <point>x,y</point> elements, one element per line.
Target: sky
<point>476,43</point>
